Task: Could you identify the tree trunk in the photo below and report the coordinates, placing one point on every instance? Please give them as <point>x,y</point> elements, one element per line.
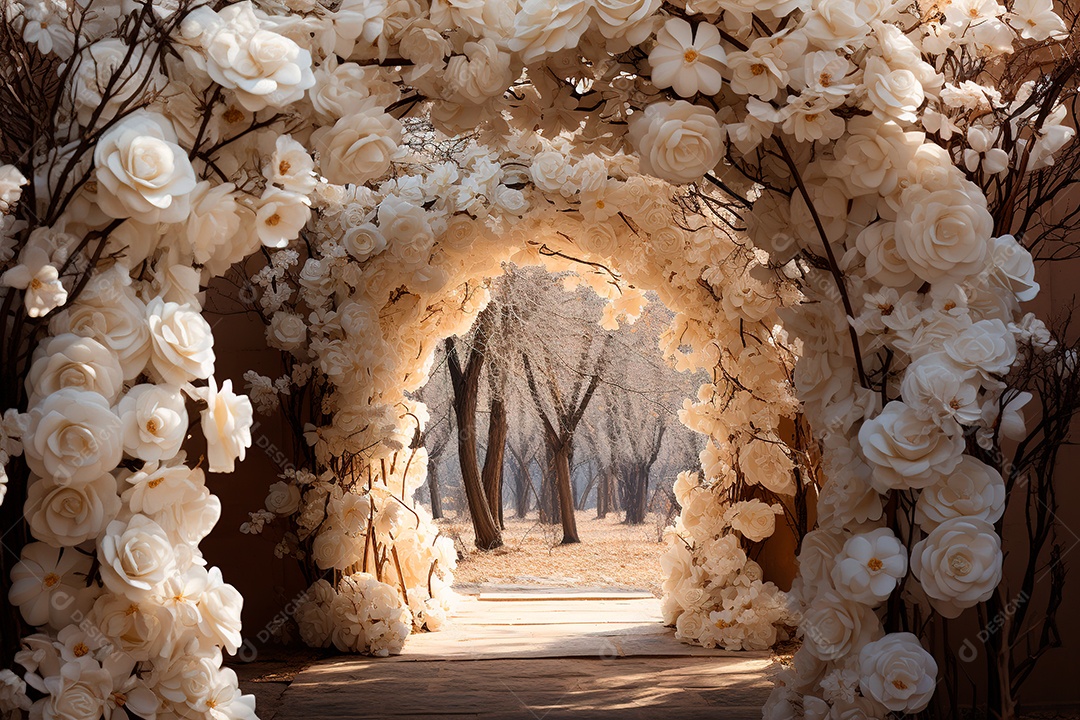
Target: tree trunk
<point>637,495</point>
<point>433,490</point>
<point>549,504</point>
<point>603,494</point>
<point>466,385</point>
<point>493,459</point>
<point>522,483</point>
<point>566,495</point>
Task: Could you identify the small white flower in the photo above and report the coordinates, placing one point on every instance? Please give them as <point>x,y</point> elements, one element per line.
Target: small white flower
<point>40,279</point>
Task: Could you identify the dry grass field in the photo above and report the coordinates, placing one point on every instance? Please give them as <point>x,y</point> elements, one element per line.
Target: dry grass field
<point>610,555</point>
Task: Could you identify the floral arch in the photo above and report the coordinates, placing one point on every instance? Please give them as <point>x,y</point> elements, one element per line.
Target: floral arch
<point>824,190</point>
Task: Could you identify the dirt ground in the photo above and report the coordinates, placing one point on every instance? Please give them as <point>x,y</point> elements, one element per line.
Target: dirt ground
<point>610,555</point>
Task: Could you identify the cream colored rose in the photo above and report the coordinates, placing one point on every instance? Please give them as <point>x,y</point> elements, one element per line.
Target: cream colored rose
<point>944,233</point>
<point>877,243</point>
<point>972,490</point>
<point>72,361</point>
<point>73,437</point>
<point>958,564</point>
<point>263,68</point>
<point>907,451</point>
<point>136,557</point>
<point>220,605</point>
<point>833,627</point>
<point>219,229</point>
<point>181,340</point>
<point>140,628</point>
<point>481,73</point>
<point>358,148</point>
<point>287,331</point>
<point>544,27</point>
<point>753,519</point>
<point>141,172</point>
<point>79,692</point>
<point>283,498</point>
<point>898,673</point>
<point>677,141</point>
<point>110,312</point>
<point>110,70</point>
<point>154,421</point>
<point>765,463</point>
<point>986,346</point>
<point>313,617</point>
<point>65,515</point>
<point>226,424</point>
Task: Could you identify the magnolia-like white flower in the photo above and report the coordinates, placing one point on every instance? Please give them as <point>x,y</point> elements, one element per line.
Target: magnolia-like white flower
<point>65,515</point>
<point>39,278</point>
<point>154,421</point>
<point>226,424</point>
<point>71,361</point>
<point>182,342</point>
<point>291,167</point>
<point>944,233</point>
<point>136,557</point>
<point>834,627</point>
<point>141,172</point>
<point>972,490</point>
<point>907,451</point>
<point>1036,20</point>
<point>687,60</point>
<point>898,673</point>
<point>958,564</point>
<point>281,216</point>
<point>870,566</point>
<point>359,147</point>
<point>242,53</point>
<point>677,141</point>
<point>938,389</point>
<point>73,437</point>
<point>48,583</point>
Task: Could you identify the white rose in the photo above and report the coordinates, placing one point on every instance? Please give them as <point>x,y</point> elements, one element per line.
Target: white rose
<point>986,346</point>
<point>154,421</point>
<point>283,498</point>
<point>218,228</point>
<point>263,68</point>
<point>72,361</point>
<point>313,617</point>
<point>342,89</point>
<point>406,227</point>
<point>898,673</point>
<point>363,241</point>
<point>892,93</point>
<point>834,628</point>
<point>111,64</point>
<point>481,73</point>
<point>73,437</point>
<point>870,566</point>
<point>1013,268</point>
<point>79,692</point>
<point>754,519</point>
<point>945,233</point>
<point>11,184</point>
<point>906,451</point>
<point>65,515</point>
<point>136,557</point>
<point>140,628</point>
<point>677,141</point>
<point>359,147</point>
<point>544,27</point>
<point>226,424</point>
<point>141,172</point>
<point>181,340</point>
<point>109,311</point>
<point>765,463</point>
<point>287,331</point>
<point>958,564</point>
<point>631,19</point>
<point>972,490</point>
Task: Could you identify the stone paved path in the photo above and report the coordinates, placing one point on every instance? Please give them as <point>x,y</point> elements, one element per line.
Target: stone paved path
<point>537,656</point>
